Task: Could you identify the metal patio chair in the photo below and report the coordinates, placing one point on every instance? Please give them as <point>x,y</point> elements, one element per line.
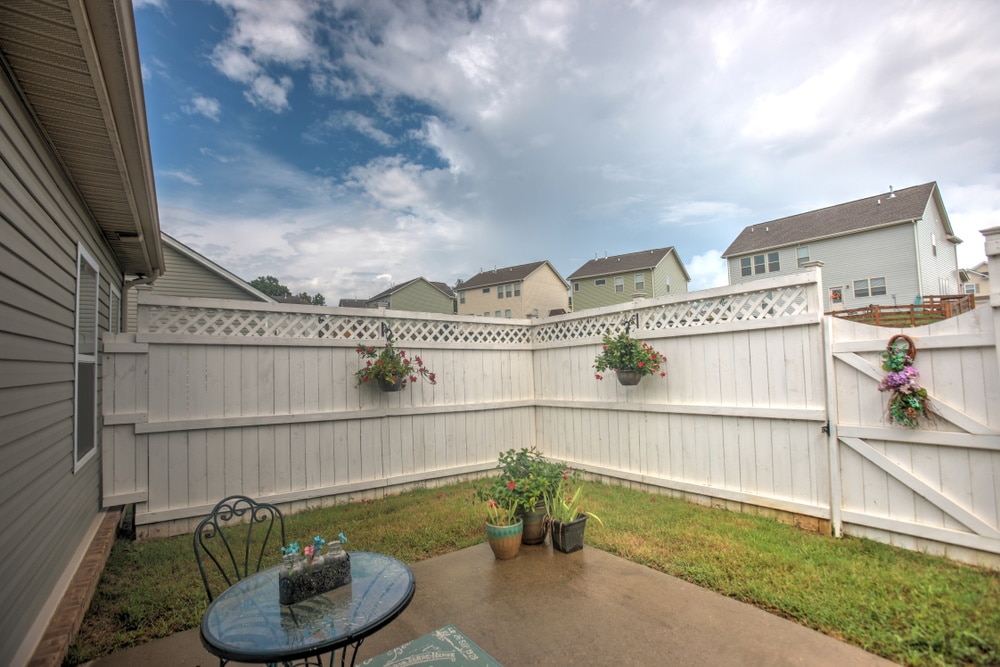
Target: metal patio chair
<point>234,538</point>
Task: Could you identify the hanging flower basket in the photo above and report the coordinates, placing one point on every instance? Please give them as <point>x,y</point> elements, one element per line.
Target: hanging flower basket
<point>629,358</point>
<point>390,368</point>
<point>908,401</point>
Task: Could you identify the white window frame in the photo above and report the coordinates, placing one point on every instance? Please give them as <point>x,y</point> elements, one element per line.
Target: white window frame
<point>802,255</point>
<point>517,289</point>
<point>761,265</point>
<point>600,281</point>
<point>576,287</point>
<point>746,267</point>
<point>86,356</point>
<point>773,262</point>
<point>866,289</point>
<point>640,281</point>
<point>970,288</point>
<point>461,297</point>
<point>619,284</point>
<point>506,313</point>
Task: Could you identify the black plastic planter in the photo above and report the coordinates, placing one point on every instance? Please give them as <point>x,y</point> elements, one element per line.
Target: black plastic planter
<point>568,537</point>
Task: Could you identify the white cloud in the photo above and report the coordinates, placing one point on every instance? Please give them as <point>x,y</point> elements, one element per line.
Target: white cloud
<point>204,106</point>
<point>707,270</point>
<point>270,94</point>
<point>182,175</point>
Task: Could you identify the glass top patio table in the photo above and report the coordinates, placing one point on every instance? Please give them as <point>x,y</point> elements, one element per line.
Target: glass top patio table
<point>246,622</point>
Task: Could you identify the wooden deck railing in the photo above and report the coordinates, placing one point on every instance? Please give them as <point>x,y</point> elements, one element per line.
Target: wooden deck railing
<point>933,309</point>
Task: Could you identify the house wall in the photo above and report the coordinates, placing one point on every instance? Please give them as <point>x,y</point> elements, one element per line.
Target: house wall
<point>669,272</point>
<point>597,296</point>
<point>185,277</point>
<point>46,509</point>
<point>889,252</point>
<point>477,302</point>
<point>422,297</point>
<point>939,271</point>
<point>543,291</point>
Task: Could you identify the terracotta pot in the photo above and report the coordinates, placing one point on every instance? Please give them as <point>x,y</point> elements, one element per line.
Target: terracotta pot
<point>505,540</point>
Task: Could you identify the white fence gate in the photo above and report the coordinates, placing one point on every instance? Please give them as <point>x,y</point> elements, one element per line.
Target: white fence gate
<point>767,404</point>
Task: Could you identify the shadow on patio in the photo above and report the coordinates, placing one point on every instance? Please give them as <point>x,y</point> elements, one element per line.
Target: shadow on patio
<point>589,607</point>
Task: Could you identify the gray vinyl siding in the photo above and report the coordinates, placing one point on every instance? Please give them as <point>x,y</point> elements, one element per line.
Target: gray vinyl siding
<point>889,252</point>
<point>940,272</point>
<point>45,509</point>
<point>182,276</point>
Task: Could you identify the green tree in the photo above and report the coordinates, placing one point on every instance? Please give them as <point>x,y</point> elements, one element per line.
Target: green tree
<point>270,286</point>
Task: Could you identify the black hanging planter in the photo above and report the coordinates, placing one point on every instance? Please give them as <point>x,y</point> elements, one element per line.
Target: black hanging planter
<point>628,378</point>
<point>385,385</point>
<point>568,537</point>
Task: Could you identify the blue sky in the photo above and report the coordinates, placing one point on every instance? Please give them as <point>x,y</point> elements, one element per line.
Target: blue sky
<point>344,146</point>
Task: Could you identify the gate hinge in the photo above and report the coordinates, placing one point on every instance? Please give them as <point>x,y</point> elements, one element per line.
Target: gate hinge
<point>825,428</point>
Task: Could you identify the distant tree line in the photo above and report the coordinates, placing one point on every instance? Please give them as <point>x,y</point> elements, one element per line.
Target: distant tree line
<point>270,286</point>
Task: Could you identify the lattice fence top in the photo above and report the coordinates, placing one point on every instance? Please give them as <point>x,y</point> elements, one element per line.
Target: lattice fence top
<point>162,315</point>
<point>695,312</point>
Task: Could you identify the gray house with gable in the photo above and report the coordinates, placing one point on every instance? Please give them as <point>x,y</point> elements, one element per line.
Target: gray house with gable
<point>889,249</point>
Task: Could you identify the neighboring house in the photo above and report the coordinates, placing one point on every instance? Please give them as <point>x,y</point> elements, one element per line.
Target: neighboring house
<point>976,280</point>
<point>526,290</point>
<point>187,273</point>
<point>352,303</point>
<point>419,295</point>
<point>78,215</point>
<point>612,280</point>
<point>889,249</point>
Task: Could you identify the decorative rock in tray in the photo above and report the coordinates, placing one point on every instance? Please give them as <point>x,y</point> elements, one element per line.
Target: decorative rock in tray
<point>315,571</point>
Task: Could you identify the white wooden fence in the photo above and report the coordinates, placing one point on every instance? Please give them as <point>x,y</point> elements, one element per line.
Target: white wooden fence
<point>757,410</point>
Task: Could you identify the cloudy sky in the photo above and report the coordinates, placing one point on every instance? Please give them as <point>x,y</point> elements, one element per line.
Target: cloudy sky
<point>348,145</point>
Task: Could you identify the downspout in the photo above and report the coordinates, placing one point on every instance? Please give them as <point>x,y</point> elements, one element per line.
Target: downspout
<point>142,280</point>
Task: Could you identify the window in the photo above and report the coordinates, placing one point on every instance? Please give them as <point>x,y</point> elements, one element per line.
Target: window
<point>510,290</point>
<point>486,314</point>
<point>600,281</point>
<point>745,269</point>
<point>869,287</point>
<point>496,314</point>
<point>517,289</point>
<point>971,288</point>
<point>576,287</point>
<point>461,297</point>
<point>114,310</point>
<point>758,264</point>
<point>534,311</point>
<point>772,262</point>
<point>802,255</point>
<point>934,244</point>
<point>486,290</point>
<point>640,282</point>
<point>506,313</point>
<point>85,385</point>
<point>499,291</point>
<point>619,284</point>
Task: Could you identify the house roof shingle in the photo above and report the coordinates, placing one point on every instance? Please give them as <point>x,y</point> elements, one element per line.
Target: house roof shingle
<point>505,275</point>
<point>352,303</point>
<point>441,287</point>
<point>883,210</point>
<point>633,261</point>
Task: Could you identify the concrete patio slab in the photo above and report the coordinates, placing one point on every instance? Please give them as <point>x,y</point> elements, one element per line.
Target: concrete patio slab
<point>589,607</point>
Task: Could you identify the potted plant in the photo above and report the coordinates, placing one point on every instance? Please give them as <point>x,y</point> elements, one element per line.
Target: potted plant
<point>533,476</point>
<point>390,368</point>
<point>503,526</point>
<point>629,358</point>
<point>567,516</point>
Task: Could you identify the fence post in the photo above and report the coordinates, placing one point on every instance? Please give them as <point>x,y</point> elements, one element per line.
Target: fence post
<point>993,257</point>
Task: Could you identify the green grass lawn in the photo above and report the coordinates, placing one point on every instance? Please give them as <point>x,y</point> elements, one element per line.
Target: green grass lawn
<point>905,606</point>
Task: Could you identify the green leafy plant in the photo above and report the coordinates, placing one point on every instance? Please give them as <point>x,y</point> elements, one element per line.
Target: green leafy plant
<point>624,353</point>
<point>501,499</point>
<point>908,401</point>
<point>391,366</point>
<point>533,474</point>
<point>564,503</point>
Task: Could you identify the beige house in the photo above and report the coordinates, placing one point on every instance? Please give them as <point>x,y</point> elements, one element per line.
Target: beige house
<point>79,215</point>
<point>420,295</point>
<point>526,290</point>
<point>976,280</point>
<point>188,273</point>
<point>612,280</point>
